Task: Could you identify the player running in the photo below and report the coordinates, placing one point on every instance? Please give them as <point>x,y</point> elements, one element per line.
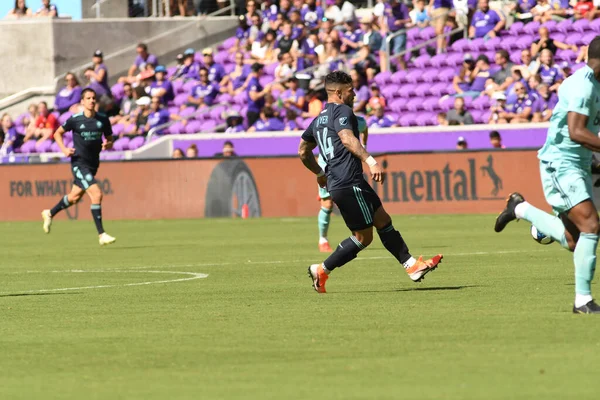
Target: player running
<point>325,197</point>
<point>565,161</point>
<point>336,132</point>
<point>88,128</point>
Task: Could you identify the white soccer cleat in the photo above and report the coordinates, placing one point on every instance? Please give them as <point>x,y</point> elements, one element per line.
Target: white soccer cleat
<point>47,220</point>
<point>105,239</point>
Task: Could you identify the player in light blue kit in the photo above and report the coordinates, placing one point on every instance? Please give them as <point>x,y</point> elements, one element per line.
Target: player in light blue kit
<point>325,197</point>
<point>565,167</point>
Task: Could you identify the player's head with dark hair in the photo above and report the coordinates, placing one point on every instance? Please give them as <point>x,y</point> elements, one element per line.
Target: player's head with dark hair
<point>88,99</point>
<point>87,90</point>
<point>594,49</point>
<point>338,85</point>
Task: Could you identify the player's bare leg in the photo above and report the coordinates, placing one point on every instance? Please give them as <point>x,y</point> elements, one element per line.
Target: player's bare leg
<point>324,218</point>
<point>96,197</point>
<point>394,243</point>
<point>67,201</point>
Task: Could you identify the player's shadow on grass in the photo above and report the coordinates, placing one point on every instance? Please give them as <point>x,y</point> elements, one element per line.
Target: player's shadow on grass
<point>416,289</point>
<point>37,294</point>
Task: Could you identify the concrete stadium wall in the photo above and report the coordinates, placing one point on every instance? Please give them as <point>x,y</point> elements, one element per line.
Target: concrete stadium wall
<point>108,9</point>
<point>42,50</point>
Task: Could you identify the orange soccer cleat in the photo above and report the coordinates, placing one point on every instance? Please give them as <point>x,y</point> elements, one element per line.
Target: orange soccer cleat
<point>318,276</point>
<point>422,268</point>
<point>324,247</point>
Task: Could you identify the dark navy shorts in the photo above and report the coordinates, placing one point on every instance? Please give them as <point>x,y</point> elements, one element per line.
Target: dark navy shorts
<point>84,177</point>
<point>357,205</point>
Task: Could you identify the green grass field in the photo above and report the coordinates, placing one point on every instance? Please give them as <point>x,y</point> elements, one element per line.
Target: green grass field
<point>493,322</point>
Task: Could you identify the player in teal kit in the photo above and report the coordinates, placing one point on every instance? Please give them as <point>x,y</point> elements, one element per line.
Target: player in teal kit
<point>325,197</point>
<point>565,162</point>
<point>88,129</point>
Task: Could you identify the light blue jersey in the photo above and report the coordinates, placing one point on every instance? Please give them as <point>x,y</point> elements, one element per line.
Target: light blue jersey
<point>579,93</point>
<point>362,127</point>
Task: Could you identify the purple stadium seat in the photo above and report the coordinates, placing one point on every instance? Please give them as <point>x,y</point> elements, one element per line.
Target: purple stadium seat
<point>460,45</point>
<point>174,129</point>
<point>532,28</point>
<point>399,77</point>
<point>235,107</point>
<point>270,68</point>
<point>446,74</point>
<point>485,117</point>
<point>446,103</point>
<point>43,147</point>
<point>56,114</point>
<point>171,71</point>
<point>390,91</point>
<point>515,57</point>
<point>265,80</point>
<point>229,42</point>
<point>438,60</point>
<point>588,37</point>
<point>415,104</point>
<point>516,29</point>
<point>477,44</point>
<point>226,98</point>
<point>208,126</point>
<point>509,43</point>
<point>193,127</point>
<point>189,85</point>
<point>551,25</point>
<point>68,136</point>
<point>173,110</point>
<point>407,90</point>
<point>398,105</point>
<point>305,123</point>
<point>481,103</point>
<point>564,26</point>
<point>574,39</point>
<point>216,112</point>
<point>55,148</point>
<point>414,76</point>
<point>454,60</point>
<point>121,144</point>
<point>409,119</point>
<point>394,116</point>
<point>566,55</point>
<point>117,90</point>
<point>438,89</point>
<point>431,104</point>
<point>64,117</point>
<point>476,114</point>
<point>426,119</point>
<point>221,57</point>
<point>383,78</point>
<point>186,112</point>
<point>581,25</point>
<point>136,142</point>
<point>427,33</point>
<point>20,130</point>
<point>177,86</point>
<point>423,89</point>
<point>559,37</point>
<point>430,75</point>
<point>524,42</point>
<point>422,61</point>
<point>413,34</point>
<point>578,66</point>
<point>595,25</point>
<point>240,98</point>
<point>118,129</point>
<point>493,43</point>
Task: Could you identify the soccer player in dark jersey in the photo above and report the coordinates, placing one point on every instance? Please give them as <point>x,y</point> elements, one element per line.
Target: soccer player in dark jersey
<point>336,133</point>
<point>88,128</point>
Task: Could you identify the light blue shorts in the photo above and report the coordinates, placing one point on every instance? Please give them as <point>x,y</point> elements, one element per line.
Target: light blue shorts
<point>565,185</point>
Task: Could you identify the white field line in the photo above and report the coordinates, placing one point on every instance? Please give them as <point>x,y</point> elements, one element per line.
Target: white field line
<point>191,276</point>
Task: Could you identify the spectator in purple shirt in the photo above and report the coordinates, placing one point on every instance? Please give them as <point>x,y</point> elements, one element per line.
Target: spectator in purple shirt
<point>69,95</point>
<point>9,133</point>
<point>478,78</point>
<point>306,55</point>
<point>394,19</point>
<point>521,110</point>
<point>361,90</point>
<point>204,93</point>
<point>297,24</point>
<point>189,69</point>
<point>285,7</point>
<point>141,60</point>
<point>256,93</point>
<point>269,13</point>
<point>290,121</point>
<point>351,39</point>
<point>161,87</point>
<point>550,73</point>
<point>233,82</point>
<point>158,116</point>
<point>486,23</point>
<point>216,72</point>
<point>267,122</point>
<point>235,122</point>
<point>98,75</point>
<point>379,120</point>
<point>312,14</point>
<point>546,101</point>
<point>241,35</point>
<point>294,97</point>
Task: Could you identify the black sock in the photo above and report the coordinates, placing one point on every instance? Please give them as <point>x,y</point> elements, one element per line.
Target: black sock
<point>344,253</point>
<point>61,205</point>
<point>97,215</point>
<point>393,242</point>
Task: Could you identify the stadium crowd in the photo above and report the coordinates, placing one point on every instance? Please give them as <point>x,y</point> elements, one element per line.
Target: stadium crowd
<point>267,77</point>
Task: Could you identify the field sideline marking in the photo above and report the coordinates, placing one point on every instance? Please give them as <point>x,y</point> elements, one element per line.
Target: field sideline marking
<point>192,276</point>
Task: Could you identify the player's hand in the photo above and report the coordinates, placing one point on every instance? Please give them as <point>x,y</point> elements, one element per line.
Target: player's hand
<point>68,151</point>
<point>377,173</point>
<point>322,181</point>
<point>107,145</point>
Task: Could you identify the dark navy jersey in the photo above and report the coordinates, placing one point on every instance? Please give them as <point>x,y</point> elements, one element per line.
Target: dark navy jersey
<point>343,168</point>
<point>87,137</point>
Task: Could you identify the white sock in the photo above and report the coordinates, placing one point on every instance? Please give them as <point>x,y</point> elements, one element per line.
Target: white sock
<point>411,261</point>
<point>323,240</point>
<point>328,271</point>
<point>582,299</point>
<point>521,208</point>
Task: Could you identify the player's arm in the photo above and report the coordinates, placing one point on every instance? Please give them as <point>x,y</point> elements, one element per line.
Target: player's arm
<point>352,144</point>
<point>58,138</point>
<point>579,133</point>
<point>305,151</point>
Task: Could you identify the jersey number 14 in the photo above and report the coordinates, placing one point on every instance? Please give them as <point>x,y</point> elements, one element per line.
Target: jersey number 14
<point>325,144</point>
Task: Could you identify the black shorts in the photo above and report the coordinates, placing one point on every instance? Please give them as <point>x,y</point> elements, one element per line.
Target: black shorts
<point>84,177</point>
<point>357,205</point>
